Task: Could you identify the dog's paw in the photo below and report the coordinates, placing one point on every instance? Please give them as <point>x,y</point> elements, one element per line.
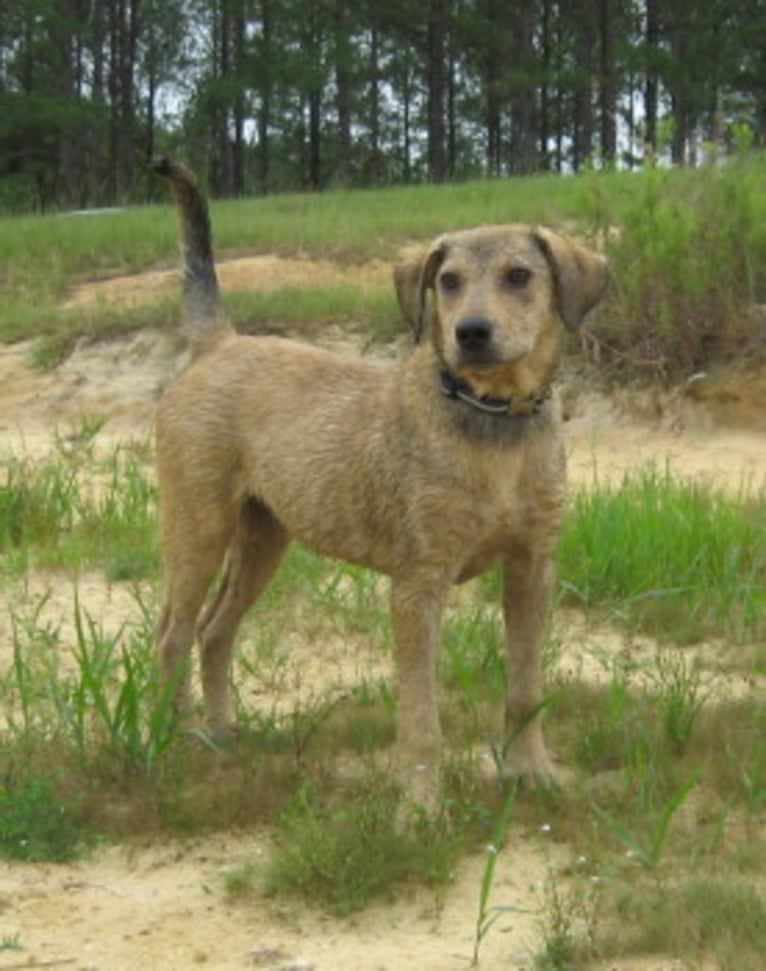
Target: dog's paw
<point>224,739</point>
<point>533,768</point>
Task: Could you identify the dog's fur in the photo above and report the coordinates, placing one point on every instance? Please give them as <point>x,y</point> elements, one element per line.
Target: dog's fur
<point>262,440</point>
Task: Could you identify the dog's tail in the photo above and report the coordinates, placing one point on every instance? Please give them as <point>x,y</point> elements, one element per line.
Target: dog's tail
<point>204,316</point>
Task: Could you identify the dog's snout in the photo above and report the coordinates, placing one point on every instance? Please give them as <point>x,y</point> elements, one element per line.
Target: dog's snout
<point>473,333</point>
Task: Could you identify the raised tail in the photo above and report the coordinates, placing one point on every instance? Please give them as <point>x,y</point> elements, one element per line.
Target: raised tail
<point>203,312</point>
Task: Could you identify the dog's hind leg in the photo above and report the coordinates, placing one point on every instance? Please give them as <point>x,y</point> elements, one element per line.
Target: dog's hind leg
<point>192,554</point>
<point>255,553</point>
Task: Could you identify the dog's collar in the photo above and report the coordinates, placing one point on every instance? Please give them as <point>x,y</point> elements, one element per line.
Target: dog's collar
<point>526,407</point>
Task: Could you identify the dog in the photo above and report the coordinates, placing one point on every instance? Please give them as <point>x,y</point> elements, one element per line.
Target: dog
<point>429,471</point>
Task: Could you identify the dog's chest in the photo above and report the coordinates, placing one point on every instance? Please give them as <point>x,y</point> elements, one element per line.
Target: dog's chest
<point>504,502</point>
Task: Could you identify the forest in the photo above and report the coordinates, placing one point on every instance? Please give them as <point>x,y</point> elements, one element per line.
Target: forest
<point>264,96</point>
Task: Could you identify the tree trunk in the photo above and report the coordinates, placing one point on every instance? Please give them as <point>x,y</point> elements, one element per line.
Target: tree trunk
<point>437,36</point>
<point>343,90</point>
<point>315,121</point>
<point>583,99</point>
<point>651,86</point>
<point>406,121</point>
<point>491,44</point>
<point>266,84</point>
<point>608,82</point>
<point>524,138</point>
<point>679,98</point>
<point>224,171</point>
<point>451,110</point>
<point>238,148</point>
<point>545,108</point>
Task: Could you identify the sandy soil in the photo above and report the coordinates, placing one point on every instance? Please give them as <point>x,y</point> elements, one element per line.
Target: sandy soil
<point>163,907</point>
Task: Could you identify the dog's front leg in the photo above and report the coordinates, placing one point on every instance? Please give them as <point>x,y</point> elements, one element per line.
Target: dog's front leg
<point>417,602</point>
<point>527,587</point>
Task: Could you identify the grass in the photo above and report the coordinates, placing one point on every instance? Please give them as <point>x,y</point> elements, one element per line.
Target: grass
<point>345,848</point>
<point>687,249</point>
<point>671,558</point>
<point>670,769</point>
<point>36,823</point>
<point>44,256</point>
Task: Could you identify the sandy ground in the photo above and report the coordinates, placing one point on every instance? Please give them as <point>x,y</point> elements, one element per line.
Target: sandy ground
<point>163,907</point>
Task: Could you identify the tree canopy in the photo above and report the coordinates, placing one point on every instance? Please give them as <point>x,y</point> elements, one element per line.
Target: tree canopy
<point>267,95</point>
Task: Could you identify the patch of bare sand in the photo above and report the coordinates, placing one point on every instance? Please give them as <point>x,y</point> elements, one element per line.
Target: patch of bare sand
<point>263,273</point>
<point>163,908</point>
<point>608,438</point>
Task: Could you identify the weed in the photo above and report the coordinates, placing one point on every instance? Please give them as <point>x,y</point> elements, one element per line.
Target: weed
<point>674,312</point>
<point>669,557</point>
<point>345,852</point>
<point>711,917</point>
<point>487,915</point>
<point>10,942</point>
<point>38,823</point>
<point>569,925</point>
<point>678,687</point>
<point>648,852</point>
<point>110,704</point>
<point>241,881</point>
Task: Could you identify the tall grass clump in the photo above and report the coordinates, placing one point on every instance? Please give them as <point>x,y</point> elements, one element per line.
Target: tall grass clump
<point>106,708</point>
<point>700,918</point>
<point>674,558</point>
<point>343,851</point>
<point>687,252</point>
<point>69,511</point>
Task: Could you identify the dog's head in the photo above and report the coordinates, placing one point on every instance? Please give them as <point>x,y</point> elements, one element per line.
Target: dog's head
<point>498,295</point>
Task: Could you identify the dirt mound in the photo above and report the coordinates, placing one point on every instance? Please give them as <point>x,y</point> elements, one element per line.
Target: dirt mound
<point>264,273</point>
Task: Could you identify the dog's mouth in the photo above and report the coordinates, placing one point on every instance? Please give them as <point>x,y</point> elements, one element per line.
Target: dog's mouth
<point>480,359</point>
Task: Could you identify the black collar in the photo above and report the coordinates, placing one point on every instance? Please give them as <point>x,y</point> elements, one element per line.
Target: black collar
<point>526,407</point>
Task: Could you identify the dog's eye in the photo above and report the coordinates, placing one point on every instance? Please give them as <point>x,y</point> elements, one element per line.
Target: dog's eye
<point>518,276</point>
<point>449,282</point>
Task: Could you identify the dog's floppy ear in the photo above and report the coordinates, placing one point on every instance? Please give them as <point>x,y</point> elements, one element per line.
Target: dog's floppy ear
<point>414,275</point>
<point>580,275</point>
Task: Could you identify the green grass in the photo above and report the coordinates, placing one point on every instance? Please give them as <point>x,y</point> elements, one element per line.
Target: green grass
<point>55,514</point>
<point>687,251</point>
<point>43,256</point>
<point>345,849</point>
<point>700,918</point>
<point>670,772</point>
<point>677,560</point>
<point>60,249</point>
<point>38,823</point>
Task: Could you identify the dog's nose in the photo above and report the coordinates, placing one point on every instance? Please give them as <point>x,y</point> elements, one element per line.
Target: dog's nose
<point>473,333</point>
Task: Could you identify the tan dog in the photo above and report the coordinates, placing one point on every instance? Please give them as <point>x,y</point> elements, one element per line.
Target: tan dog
<point>428,471</point>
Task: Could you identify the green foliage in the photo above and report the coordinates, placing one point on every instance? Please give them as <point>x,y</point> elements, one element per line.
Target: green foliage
<point>109,708</point>
<point>687,252</point>
<point>649,852</point>
<point>344,852</point>
<point>487,916</point>
<point>37,822</point>
<point>700,917</point>
<point>670,557</point>
<point>55,514</point>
